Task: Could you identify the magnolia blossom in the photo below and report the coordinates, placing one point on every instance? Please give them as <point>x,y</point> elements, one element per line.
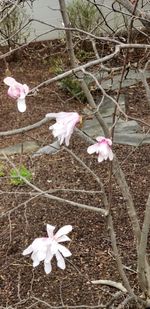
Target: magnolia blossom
<point>64,126</point>
<point>43,249</point>
<point>102,148</point>
<point>17,91</point>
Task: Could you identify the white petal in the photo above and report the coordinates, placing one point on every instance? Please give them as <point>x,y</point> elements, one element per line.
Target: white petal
<point>54,247</point>
<point>28,250</point>
<point>51,115</point>
<point>63,231</point>
<point>50,229</point>
<point>60,138</point>
<point>35,263</point>
<point>41,255</point>
<point>26,89</point>
<point>9,81</point>
<point>38,243</point>
<point>100,158</point>
<point>110,155</point>
<point>93,148</point>
<point>62,116</point>
<point>60,261</point>
<point>21,104</point>
<point>67,140</point>
<point>35,259</point>
<point>65,252</point>
<point>49,255</point>
<point>63,238</point>
<point>104,150</point>
<point>47,267</point>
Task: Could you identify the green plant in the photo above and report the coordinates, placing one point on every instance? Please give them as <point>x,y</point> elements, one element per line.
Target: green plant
<point>12,28</point>
<point>72,85</point>
<point>56,65</point>
<point>83,55</point>
<point>16,175</point>
<point>84,15</point>
<point>69,84</point>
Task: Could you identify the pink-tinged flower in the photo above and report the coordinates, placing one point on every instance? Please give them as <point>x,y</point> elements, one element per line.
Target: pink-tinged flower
<point>64,126</point>
<point>17,91</point>
<point>102,148</point>
<point>43,249</point>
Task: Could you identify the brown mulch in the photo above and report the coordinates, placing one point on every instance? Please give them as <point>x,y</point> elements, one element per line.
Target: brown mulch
<point>92,257</point>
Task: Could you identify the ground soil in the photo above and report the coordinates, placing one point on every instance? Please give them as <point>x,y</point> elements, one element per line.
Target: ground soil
<point>24,216</point>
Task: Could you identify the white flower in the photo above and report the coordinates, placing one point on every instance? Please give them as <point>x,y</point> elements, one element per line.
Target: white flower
<point>64,126</point>
<point>102,148</point>
<point>43,249</point>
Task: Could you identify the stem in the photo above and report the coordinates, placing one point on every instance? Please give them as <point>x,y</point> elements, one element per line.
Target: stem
<point>143,267</point>
<point>73,62</point>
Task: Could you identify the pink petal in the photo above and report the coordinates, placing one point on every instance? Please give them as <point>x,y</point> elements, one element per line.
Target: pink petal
<point>13,92</point>
<point>109,141</point>
<point>100,138</point>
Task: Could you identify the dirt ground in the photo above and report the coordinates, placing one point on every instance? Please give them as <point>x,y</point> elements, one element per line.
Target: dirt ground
<point>24,216</point>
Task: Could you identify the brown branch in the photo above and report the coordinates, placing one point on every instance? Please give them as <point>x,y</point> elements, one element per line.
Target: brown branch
<point>25,129</point>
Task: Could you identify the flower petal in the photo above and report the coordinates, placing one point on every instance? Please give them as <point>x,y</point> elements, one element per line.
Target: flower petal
<point>109,141</point>
<point>51,115</point>
<point>63,231</point>
<point>26,89</point>
<point>50,229</point>
<point>35,259</point>
<point>100,138</point>
<point>60,261</point>
<point>65,252</point>
<point>21,104</point>
<point>93,148</point>
<point>110,155</point>
<point>49,255</point>
<point>100,158</point>
<point>63,238</point>
<point>54,247</point>
<point>10,81</point>
<point>28,250</point>
<point>47,267</point>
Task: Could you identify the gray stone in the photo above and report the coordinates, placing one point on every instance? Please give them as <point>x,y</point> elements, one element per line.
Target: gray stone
<point>49,149</point>
<point>132,78</point>
<point>25,147</point>
<point>126,132</point>
<point>134,139</point>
